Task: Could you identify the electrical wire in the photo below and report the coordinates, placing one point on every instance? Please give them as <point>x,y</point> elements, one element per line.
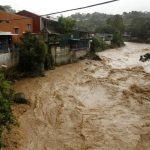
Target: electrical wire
<point>81,7</point>
<point>89,6</point>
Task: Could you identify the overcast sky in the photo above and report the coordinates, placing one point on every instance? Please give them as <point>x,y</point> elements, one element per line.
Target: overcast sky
<point>48,6</point>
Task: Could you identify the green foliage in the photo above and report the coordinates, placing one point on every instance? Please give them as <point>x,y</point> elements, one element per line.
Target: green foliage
<point>104,29</point>
<point>97,45</point>
<point>117,23</point>
<point>7,8</point>
<point>6,100</point>
<point>32,54</point>
<point>90,22</point>
<point>118,29</point>
<point>117,40</point>
<point>139,26</point>
<point>66,24</point>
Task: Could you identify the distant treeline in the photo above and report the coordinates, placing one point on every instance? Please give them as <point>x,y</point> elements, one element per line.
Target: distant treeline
<point>137,24</point>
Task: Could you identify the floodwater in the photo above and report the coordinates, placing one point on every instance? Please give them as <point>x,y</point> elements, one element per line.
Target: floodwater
<point>90,105</point>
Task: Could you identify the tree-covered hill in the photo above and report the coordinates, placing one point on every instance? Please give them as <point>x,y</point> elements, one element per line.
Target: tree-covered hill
<point>96,20</point>
<point>90,22</point>
<point>137,24</point>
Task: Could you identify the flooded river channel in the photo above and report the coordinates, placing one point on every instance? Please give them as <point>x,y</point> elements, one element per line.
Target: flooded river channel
<point>89,105</point>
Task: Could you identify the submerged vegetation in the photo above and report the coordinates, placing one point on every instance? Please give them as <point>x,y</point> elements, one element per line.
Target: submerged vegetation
<point>98,44</point>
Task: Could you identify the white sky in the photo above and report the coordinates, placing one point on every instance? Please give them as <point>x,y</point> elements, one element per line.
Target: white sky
<point>48,6</point>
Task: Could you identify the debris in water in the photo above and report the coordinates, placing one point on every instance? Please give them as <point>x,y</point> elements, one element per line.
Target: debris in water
<point>145,57</point>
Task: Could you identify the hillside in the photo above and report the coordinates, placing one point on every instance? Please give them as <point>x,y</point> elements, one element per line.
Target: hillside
<point>90,21</point>
<point>95,21</point>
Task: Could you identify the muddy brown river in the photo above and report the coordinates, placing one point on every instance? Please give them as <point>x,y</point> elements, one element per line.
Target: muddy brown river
<point>89,105</point>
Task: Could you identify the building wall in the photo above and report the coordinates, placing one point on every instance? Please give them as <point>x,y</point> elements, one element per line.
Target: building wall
<point>9,59</point>
<point>51,25</point>
<point>9,22</point>
<point>36,20</point>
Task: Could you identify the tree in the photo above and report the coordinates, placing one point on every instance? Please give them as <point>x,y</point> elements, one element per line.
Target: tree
<point>104,29</point>
<point>118,29</point>
<point>7,8</point>
<point>66,24</point>
<point>138,25</point>
<point>140,28</point>
<point>97,45</point>
<point>90,22</point>
<point>32,54</point>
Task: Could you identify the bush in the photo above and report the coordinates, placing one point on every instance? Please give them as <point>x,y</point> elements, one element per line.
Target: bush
<point>117,40</point>
<point>32,54</point>
<point>118,28</point>
<point>6,100</point>
<point>98,45</point>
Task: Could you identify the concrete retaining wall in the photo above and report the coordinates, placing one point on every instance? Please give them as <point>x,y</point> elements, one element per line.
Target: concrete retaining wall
<point>81,53</point>
<point>61,55</point>
<point>64,55</point>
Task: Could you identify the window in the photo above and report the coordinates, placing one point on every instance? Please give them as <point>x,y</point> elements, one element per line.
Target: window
<point>17,30</point>
<point>28,27</point>
<point>4,21</point>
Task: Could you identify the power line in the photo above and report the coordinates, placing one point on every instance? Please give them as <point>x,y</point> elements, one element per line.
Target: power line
<point>81,7</point>
<point>89,6</point>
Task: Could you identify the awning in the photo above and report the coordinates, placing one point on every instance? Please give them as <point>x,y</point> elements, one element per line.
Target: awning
<point>7,33</point>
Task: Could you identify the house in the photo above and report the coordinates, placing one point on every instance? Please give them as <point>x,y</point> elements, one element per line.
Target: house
<point>63,47</point>
<point>104,36</point>
<point>49,27</point>
<point>41,22</point>
<point>14,23</point>
<point>79,40</point>
<point>66,48</point>
<point>6,46</point>
<point>12,26</point>
<point>80,43</point>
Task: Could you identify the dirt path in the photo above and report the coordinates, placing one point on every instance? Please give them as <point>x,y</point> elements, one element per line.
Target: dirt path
<point>91,105</point>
